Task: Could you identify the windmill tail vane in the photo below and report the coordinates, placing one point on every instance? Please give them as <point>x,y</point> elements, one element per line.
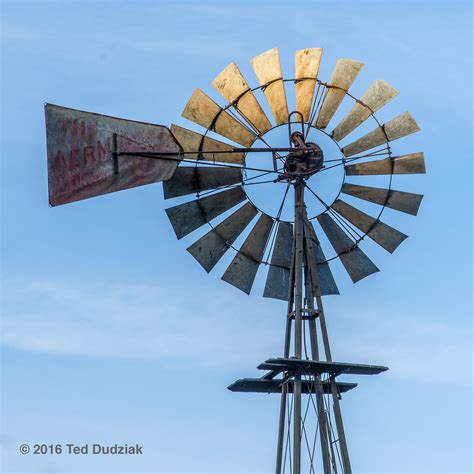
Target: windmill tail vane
<point>91,154</point>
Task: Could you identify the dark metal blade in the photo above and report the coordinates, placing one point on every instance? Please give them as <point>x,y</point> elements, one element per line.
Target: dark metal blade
<point>80,145</point>
<point>356,263</point>
<point>386,236</point>
<point>210,248</point>
<point>399,200</point>
<point>277,284</point>
<point>243,268</point>
<point>327,284</point>
<point>191,215</point>
<point>194,179</point>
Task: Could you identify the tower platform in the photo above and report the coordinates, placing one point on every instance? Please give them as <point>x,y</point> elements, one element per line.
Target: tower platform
<point>282,371</point>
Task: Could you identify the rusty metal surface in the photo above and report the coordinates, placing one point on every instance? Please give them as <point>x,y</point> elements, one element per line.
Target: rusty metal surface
<point>356,263</point>
<point>306,65</point>
<point>267,68</point>
<point>210,248</point>
<point>191,215</point>
<point>344,74</point>
<point>231,84</point>
<point>201,109</point>
<point>190,142</point>
<point>399,200</point>
<point>277,283</point>
<point>399,127</point>
<point>243,268</point>
<point>413,163</point>
<point>376,96</point>
<point>193,179</point>
<point>79,154</point>
<point>386,236</point>
<point>327,284</point>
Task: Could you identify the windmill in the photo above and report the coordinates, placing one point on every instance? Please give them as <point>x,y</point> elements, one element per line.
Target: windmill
<point>91,154</point>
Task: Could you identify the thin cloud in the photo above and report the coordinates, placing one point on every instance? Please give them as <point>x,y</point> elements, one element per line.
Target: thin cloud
<point>176,327</point>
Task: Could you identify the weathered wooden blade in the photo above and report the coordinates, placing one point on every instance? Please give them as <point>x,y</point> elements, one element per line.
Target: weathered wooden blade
<point>201,109</point>
<point>376,96</point>
<point>210,248</point>
<point>399,200</point>
<point>398,127</point>
<point>413,163</point>
<point>243,268</point>
<point>386,236</point>
<point>194,179</point>
<point>327,284</point>
<point>230,83</point>
<point>191,215</point>
<point>278,278</point>
<point>344,74</point>
<point>267,68</point>
<point>356,263</point>
<point>79,149</point>
<point>306,66</point>
<point>190,142</point>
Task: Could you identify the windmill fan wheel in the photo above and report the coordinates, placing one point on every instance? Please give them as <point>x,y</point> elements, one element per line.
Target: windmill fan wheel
<point>215,170</point>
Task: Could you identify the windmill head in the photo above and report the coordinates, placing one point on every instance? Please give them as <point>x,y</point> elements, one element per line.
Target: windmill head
<point>91,154</point>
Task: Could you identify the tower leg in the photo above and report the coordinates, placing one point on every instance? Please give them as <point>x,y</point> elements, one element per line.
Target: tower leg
<point>323,425</point>
<point>327,349</point>
<point>298,270</point>
<point>284,395</point>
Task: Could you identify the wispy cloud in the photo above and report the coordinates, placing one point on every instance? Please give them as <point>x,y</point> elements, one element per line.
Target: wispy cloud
<point>177,326</point>
<point>133,321</point>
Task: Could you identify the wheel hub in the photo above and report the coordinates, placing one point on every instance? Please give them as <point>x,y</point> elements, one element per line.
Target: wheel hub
<point>306,159</point>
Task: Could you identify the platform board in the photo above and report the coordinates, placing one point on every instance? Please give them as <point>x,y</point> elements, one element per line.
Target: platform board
<point>261,385</point>
<point>314,367</point>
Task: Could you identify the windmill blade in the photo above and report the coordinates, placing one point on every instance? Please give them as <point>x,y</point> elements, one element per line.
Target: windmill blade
<point>376,96</point>
<point>191,215</point>
<point>230,83</point>
<point>398,127</point>
<point>386,236</point>
<point>327,284</point>
<point>356,263</point>
<point>306,66</point>
<point>80,146</point>
<point>413,163</point>
<point>344,74</point>
<point>398,200</point>
<point>278,278</point>
<point>267,68</point>
<point>194,179</point>
<point>210,248</point>
<point>243,268</point>
<point>191,141</point>
<point>202,110</point>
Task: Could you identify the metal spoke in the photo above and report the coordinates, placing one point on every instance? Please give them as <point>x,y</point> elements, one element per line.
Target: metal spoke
<point>351,230</point>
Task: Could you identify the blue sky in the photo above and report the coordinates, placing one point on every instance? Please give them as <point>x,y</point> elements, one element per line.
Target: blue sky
<point>112,333</point>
